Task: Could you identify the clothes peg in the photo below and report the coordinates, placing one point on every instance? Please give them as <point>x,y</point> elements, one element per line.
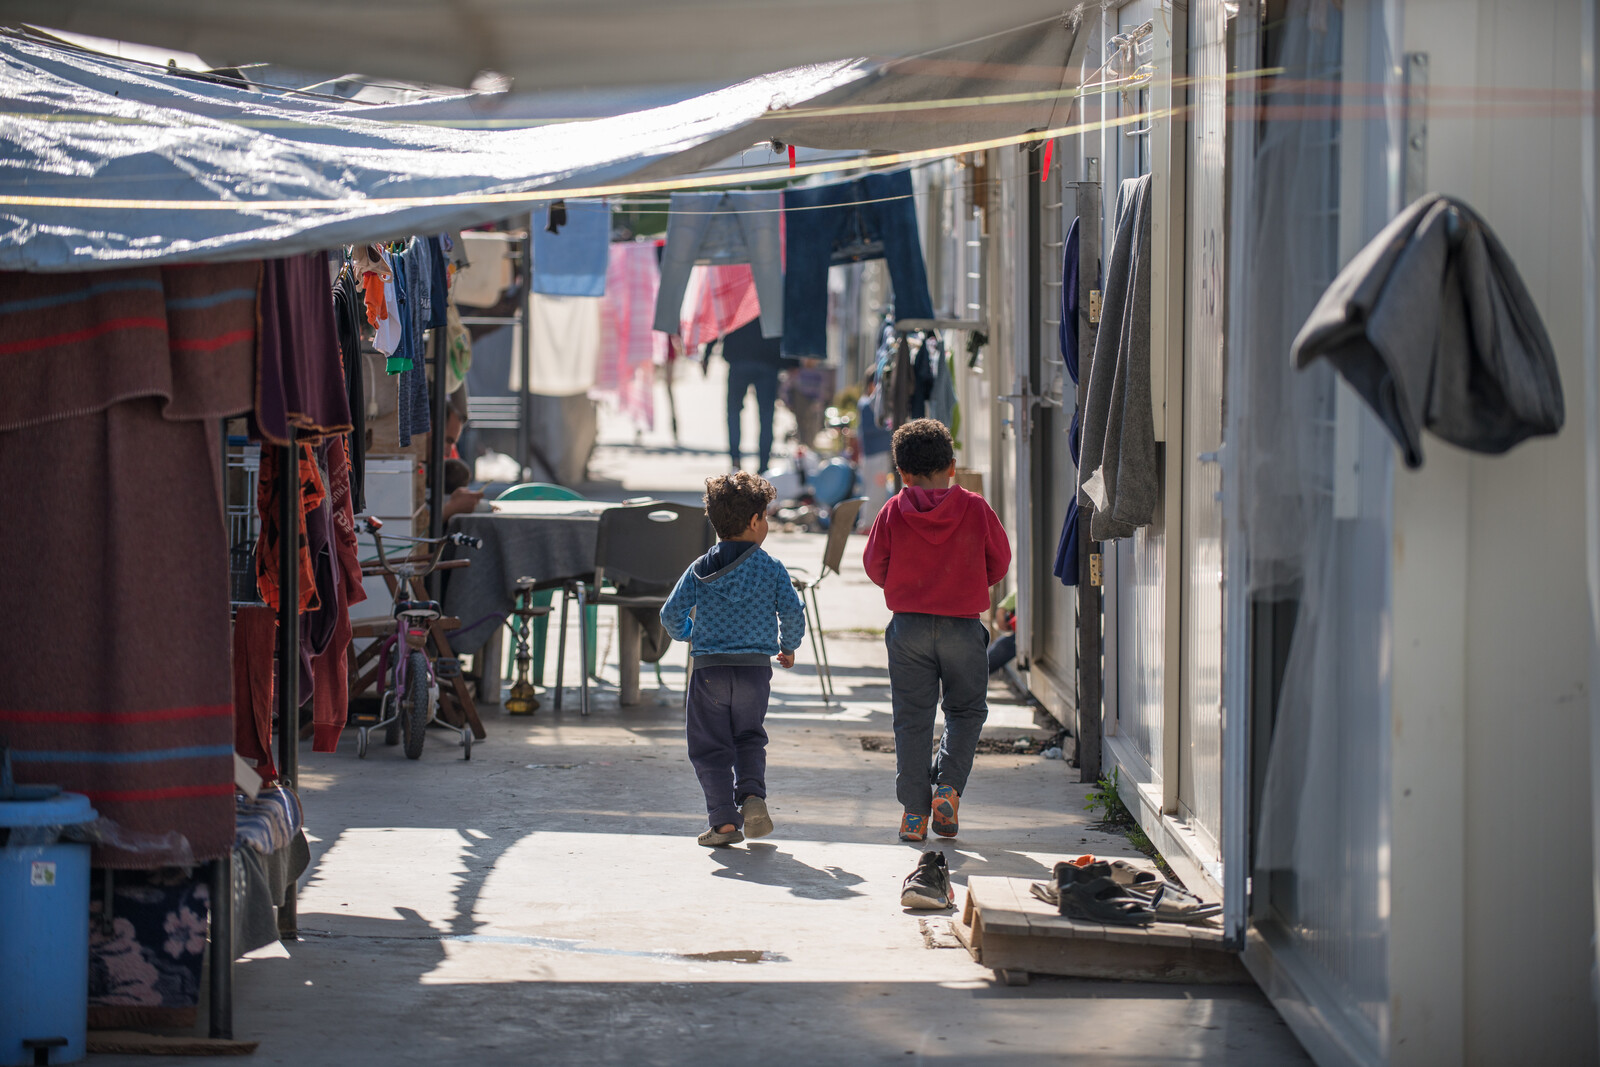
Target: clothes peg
<point>1044,171</point>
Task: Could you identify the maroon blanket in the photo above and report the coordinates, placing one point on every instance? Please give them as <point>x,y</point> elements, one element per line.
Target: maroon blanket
<point>300,370</point>
<point>114,590</point>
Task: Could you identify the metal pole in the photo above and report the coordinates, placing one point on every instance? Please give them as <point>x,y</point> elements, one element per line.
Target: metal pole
<point>222,948</point>
<point>525,357</point>
<point>289,647</point>
<point>1090,652</point>
<point>441,413</point>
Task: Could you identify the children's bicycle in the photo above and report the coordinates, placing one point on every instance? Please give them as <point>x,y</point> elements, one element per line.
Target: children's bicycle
<point>411,702</point>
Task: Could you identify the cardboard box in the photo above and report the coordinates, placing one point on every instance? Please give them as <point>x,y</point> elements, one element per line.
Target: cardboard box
<point>970,480</point>
<point>383,438</point>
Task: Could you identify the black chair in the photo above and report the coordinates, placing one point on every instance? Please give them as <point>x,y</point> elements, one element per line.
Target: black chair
<point>841,521</point>
<point>642,550</point>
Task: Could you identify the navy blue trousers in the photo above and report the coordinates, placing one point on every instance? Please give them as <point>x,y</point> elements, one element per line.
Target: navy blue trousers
<point>725,708</point>
<point>742,376</point>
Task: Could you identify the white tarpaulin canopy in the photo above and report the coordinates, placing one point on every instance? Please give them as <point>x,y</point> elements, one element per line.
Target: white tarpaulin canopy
<point>115,165</point>
<point>539,44</point>
<point>105,162</point>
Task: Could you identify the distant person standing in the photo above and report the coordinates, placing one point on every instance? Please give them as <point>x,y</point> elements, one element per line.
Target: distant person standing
<point>753,362</point>
<point>875,441</point>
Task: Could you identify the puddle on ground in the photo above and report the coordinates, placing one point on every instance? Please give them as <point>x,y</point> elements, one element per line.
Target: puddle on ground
<point>733,955</point>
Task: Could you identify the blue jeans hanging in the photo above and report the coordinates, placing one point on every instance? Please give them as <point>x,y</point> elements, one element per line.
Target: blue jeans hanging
<point>872,217</point>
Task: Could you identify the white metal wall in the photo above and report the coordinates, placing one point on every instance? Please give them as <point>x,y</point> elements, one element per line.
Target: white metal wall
<point>1492,626</point>
<point>1200,718</point>
<point>1056,478</point>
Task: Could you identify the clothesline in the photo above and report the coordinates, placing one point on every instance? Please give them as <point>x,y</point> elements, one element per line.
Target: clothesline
<point>648,201</point>
<point>772,210</point>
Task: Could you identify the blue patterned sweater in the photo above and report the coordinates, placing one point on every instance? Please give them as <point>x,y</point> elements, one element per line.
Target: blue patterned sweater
<point>743,604</point>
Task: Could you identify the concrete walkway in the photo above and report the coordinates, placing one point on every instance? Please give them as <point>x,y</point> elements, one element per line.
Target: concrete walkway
<point>546,902</point>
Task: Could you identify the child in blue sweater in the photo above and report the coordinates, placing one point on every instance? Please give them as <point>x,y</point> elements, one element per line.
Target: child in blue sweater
<point>737,607</point>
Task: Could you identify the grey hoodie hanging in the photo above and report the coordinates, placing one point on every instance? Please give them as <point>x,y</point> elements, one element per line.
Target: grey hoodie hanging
<point>1431,324</point>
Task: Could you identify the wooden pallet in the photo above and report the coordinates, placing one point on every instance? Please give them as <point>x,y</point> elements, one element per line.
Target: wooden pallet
<point>1014,933</point>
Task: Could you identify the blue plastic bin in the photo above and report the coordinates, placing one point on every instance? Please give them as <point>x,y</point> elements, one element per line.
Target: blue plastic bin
<point>44,933</point>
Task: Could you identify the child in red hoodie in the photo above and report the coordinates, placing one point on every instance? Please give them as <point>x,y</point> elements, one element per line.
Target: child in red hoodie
<point>935,548</point>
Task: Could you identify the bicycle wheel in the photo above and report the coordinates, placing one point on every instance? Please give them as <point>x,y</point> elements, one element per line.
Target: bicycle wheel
<point>414,709</point>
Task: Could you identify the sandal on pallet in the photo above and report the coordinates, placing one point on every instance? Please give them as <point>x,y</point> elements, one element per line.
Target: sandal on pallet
<point>1175,905</point>
<point>1092,895</point>
<point>1141,878</point>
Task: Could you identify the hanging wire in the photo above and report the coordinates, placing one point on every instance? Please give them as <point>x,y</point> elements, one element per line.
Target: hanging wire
<point>33,35</point>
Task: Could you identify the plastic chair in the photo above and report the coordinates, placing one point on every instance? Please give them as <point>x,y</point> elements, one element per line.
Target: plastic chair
<point>542,598</point>
<point>642,550</point>
<point>539,491</point>
<point>841,522</point>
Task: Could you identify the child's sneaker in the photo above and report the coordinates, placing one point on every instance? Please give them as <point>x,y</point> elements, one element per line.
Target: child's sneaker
<point>757,823</point>
<point>913,827</point>
<point>945,803</point>
<point>714,838</point>
<point>928,887</point>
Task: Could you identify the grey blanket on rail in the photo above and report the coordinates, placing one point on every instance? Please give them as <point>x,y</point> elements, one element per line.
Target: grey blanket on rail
<point>1117,473</point>
<point>549,548</point>
<point>1431,324</point>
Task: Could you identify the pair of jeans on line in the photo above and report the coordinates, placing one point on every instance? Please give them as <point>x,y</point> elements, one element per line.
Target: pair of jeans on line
<point>723,229</point>
<point>725,708</point>
<point>872,217</point>
<point>928,653</point>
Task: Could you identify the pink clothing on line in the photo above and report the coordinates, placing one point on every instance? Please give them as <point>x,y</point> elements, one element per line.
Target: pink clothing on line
<point>629,348</point>
<point>719,301</point>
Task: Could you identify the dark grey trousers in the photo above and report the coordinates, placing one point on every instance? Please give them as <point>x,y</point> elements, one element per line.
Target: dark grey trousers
<point>725,707</point>
<point>928,653</point>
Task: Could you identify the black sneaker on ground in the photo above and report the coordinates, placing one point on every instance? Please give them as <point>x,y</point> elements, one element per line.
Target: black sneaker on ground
<point>928,887</point>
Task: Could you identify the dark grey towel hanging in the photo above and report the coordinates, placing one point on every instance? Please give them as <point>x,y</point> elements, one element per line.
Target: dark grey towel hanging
<point>1431,324</point>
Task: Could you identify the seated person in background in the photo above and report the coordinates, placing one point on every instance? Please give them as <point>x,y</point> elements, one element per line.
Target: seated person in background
<point>459,499</point>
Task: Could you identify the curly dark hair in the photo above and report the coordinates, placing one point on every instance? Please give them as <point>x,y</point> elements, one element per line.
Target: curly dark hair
<point>923,447</point>
<point>732,500</point>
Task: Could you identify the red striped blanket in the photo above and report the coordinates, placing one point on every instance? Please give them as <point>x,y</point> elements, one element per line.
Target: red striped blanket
<point>114,594</point>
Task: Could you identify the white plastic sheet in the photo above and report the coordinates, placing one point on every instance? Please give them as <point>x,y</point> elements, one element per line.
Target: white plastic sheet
<point>122,165</point>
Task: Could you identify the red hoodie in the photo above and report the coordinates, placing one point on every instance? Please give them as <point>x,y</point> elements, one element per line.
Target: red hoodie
<point>937,551</point>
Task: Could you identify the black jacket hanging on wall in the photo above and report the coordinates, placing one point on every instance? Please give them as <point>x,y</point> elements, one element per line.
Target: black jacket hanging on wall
<point>1430,323</point>
<point>1117,474</point>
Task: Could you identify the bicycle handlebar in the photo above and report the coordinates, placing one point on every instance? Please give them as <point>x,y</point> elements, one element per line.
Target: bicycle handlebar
<point>373,526</point>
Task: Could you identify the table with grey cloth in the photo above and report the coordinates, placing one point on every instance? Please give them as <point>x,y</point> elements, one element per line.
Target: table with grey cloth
<point>548,540</point>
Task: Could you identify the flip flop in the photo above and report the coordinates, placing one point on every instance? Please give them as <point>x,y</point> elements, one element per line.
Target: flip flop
<point>1175,905</point>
